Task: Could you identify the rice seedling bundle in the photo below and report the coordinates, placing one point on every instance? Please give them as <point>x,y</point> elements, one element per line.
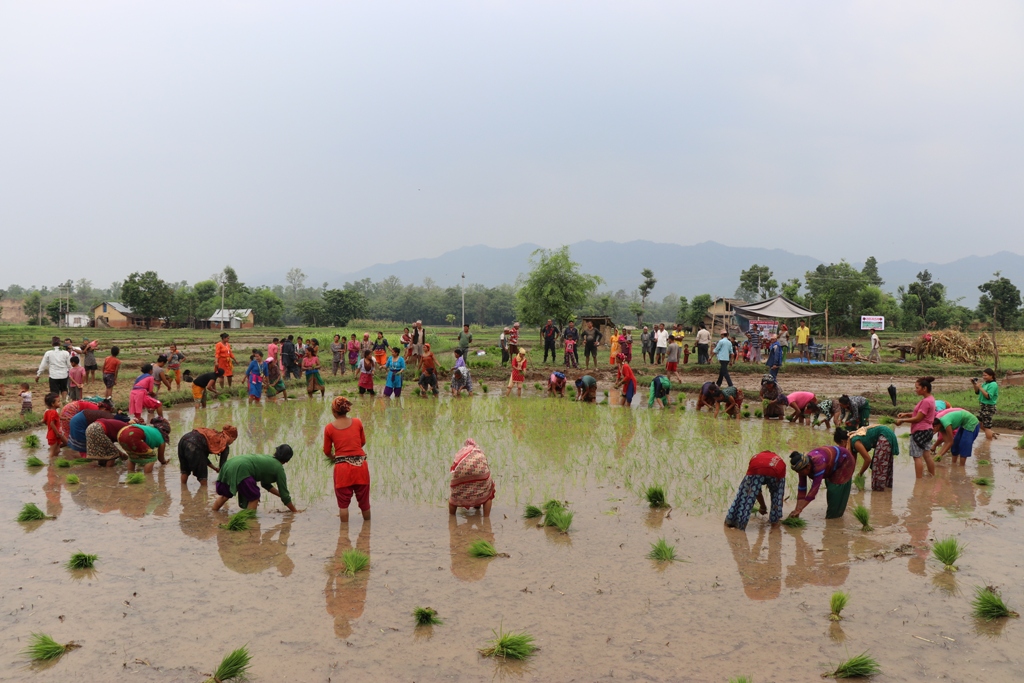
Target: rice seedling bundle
<point>863,516</point>
<point>61,462</point>
<point>794,522</point>
<point>656,497</point>
<point>741,679</point>
<point>662,551</point>
<point>538,386</point>
<point>989,605</point>
<point>746,413</point>
<point>560,519</point>
<point>886,420</point>
<point>552,505</point>
<point>31,441</point>
<point>33,461</point>
<point>72,479</point>
<point>43,648</point>
<point>984,462</point>
<point>509,645</point>
<point>983,481</point>
<point>233,667</point>
<point>861,666</point>
<point>134,478</point>
<point>948,551</point>
<point>482,548</point>
<point>532,512</point>
<point>355,561</point>
<point>1020,441</point>
<point>239,521</point>
<point>81,560</point>
<point>837,603</point>
<point>30,512</point>
<point>425,616</point>
<point>859,482</point>
<point>484,387</point>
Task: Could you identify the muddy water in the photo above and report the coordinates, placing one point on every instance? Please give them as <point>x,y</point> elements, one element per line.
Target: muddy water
<point>172,593</point>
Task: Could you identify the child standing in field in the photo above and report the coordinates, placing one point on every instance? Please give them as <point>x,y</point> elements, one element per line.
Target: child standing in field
<point>160,376</point>
<point>366,374</point>
<point>51,418</point>
<point>26,398</point>
<point>570,353</point>
<point>174,358</point>
<point>353,353</point>
<point>686,354</point>
<point>343,444</point>
<point>254,375</point>
<point>76,379</point>
<point>988,394</point>
<point>111,366</point>
<point>89,353</point>
<point>672,359</point>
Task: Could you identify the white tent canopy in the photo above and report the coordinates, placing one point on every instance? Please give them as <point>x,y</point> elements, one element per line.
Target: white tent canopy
<point>775,307</point>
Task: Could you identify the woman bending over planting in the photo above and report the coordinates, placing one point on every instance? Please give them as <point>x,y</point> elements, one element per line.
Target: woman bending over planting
<point>196,447</point>
<point>880,439</point>
<point>708,396</point>
<point>732,399</point>
<point>827,414</point>
<point>832,464</point>
<point>966,428</point>
<point>856,411</point>
<point>243,475</point>
<point>145,444</point>
<point>343,444</point>
<point>472,486</point>
<point>803,403</point>
<point>765,469</point>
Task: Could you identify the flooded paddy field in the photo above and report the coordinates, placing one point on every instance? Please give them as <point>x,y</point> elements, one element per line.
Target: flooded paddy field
<point>172,592</point>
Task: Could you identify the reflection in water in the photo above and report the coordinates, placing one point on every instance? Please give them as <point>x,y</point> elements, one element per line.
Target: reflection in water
<point>52,488</point>
<point>918,522</point>
<point>830,567</point>
<point>346,595</point>
<point>101,491</point>
<point>196,519</point>
<point>460,536</point>
<point>254,551</point>
<point>762,578</point>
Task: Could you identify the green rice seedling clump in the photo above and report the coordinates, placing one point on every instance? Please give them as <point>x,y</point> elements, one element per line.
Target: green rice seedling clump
<point>509,645</point>
<point>983,481</point>
<point>861,666</point>
<point>758,414</point>
<point>239,521</point>
<point>552,505</point>
<point>746,413</point>
<point>532,512</point>
<point>741,679</point>
<point>859,482</point>
<point>989,605</point>
<point>656,497</point>
<point>538,386</point>
<point>31,441</point>
<point>484,388</point>
<point>426,616</point>
<point>794,522</point>
<point>81,560</point>
<point>838,603</point>
<point>662,551</point>
<point>560,519</point>
<point>1020,441</point>
<point>33,461</point>
<point>482,548</point>
<point>233,667</point>
<point>982,463</point>
<point>355,561</point>
<point>863,516</point>
<point>43,648</point>
<point>30,512</point>
<point>886,420</point>
<point>134,478</point>
<point>948,551</point>
<point>72,479</point>
<point>61,462</point>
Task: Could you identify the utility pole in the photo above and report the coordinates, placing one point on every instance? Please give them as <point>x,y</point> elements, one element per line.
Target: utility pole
<point>222,306</point>
<point>464,300</point>
<point>995,349</point>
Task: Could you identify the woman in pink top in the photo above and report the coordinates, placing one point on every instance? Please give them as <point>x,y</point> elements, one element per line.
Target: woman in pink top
<point>802,403</point>
<point>920,432</point>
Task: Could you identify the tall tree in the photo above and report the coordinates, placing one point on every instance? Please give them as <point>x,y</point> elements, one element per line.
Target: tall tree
<point>645,290</point>
<point>929,293</point>
<point>555,287</point>
<point>870,271</point>
<point>758,281</point>
<point>32,306</point>
<point>147,295</point>
<point>342,305</point>
<point>1003,295</point>
<point>311,312</point>
<point>683,312</point>
<point>295,279</point>
<point>836,287</point>
<point>56,309</point>
<point>699,308</point>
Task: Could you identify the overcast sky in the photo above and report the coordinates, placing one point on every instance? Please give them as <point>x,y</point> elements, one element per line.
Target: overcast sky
<point>182,136</point>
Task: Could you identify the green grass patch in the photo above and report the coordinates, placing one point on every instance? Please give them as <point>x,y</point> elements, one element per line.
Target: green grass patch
<point>561,519</point>
<point>234,667</point>
<point>239,521</point>
<point>43,648</point>
<point>662,551</point>
<point>33,461</point>
<point>516,645</point>
<point>31,441</point>
<point>72,479</point>
<point>355,561</point>
<point>655,497</point>
<point>135,477</point>
<point>742,679</point>
<point>948,551</point>
<point>81,560</point>
<point>30,512</point>
<point>861,666</point>
<point>532,512</point>
<point>794,522</point>
<point>482,548</point>
<point>863,515</point>
<point>989,605</point>
<point>425,616</point>
<point>838,603</point>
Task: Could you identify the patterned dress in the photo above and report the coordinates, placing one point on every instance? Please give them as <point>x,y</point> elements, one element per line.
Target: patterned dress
<point>471,477</point>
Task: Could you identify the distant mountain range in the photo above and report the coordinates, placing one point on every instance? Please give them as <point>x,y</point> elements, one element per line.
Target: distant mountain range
<point>708,267</point>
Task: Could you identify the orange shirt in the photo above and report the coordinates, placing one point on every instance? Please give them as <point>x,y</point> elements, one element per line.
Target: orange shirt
<point>111,364</point>
<point>347,442</point>
<point>222,351</point>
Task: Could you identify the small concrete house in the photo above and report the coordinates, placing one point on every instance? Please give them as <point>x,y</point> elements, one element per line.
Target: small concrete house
<point>231,319</point>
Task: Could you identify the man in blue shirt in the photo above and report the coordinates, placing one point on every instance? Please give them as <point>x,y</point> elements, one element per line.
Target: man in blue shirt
<point>723,351</point>
<point>775,356</point>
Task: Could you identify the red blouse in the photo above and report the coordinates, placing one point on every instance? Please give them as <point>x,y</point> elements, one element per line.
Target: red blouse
<point>347,442</point>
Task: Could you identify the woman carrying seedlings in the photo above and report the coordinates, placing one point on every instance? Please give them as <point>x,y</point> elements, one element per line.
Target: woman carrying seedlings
<point>988,394</point>
<point>586,389</point>
<point>101,440</point>
<point>803,403</point>
<point>626,380</point>
<point>366,375</point>
<point>515,381</point>
<point>764,469</point>
<point>380,351</point>
<point>880,439</point>
<point>142,396</point>
<point>832,464</point>
<point>196,447</point>
<point>311,365</point>
<point>145,444</point>
<point>428,372</point>
<point>243,475</point>
<point>344,440</point>
<point>920,421</point>
<point>708,396</point>
<point>472,486</point>
<point>961,444</point>
<point>856,411</point>
<point>556,384</point>
<point>460,376</point>
<point>660,388</point>
<point>396,370</point>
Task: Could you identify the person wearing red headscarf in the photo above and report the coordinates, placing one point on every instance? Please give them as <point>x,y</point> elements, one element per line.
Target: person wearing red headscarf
<point>343,444</point>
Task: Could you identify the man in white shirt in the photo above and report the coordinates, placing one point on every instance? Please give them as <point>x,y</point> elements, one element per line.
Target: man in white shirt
<point>57,362</point>
<point>876,348</point>
<point>661,342</point>
<point>703,342</point>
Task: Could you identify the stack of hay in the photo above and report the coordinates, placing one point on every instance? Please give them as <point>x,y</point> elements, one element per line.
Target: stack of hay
<point>955,346</point>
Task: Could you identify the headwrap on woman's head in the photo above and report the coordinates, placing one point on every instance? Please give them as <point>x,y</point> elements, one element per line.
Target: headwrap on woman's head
<point>366,335</point>
<point>217,442</point>
<point>230,432</point>
<point>863,431</point>
<point>340,406</point>
<point>426,347</point>
<point>162,424</point>
<point>799,461</point>
<point>522,351</point>
<point>620,356</point>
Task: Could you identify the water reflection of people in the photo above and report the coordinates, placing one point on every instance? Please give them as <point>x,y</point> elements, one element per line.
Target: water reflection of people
<point>346,595</point>
<point>762,578</point>
<point>829,567</point>
<point>918,522</point>
<point>475,527</point>
<point>254,551</point>
<point>196,519</point>
<point>151,498</point>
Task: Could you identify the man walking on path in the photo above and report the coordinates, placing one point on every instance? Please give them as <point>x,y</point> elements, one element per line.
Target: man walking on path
<point>876,347</point>
<point>803,333</point>
<point>57,363</point>
<point>723,351</point>
<point>703,343</point>
<point>550,334</point>
<point>572,333</point>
